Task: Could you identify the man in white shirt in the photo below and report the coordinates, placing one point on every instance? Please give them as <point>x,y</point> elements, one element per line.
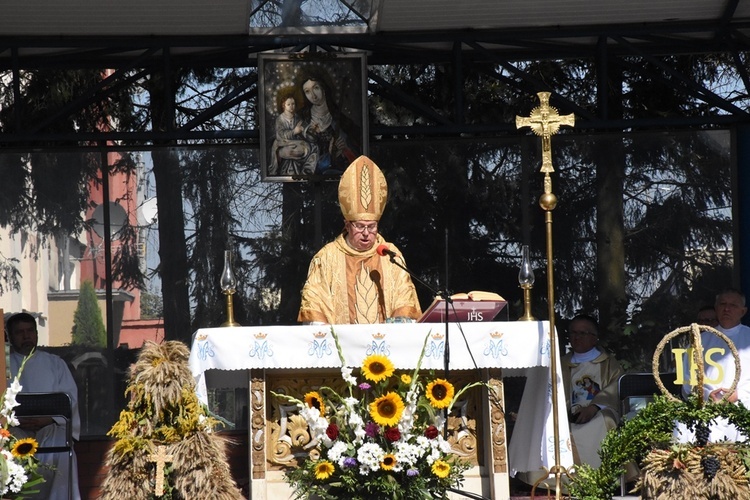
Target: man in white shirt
<point>44,372</point>
<point>718,376</point>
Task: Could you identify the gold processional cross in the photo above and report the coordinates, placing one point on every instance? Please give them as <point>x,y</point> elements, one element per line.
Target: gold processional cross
<point>161,458</point>
<point>545,121</point>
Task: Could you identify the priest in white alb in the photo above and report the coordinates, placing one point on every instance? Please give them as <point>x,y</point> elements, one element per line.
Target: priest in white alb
<point>44,372</point>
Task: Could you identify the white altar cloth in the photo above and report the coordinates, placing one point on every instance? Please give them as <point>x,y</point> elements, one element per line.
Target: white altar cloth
<point>520,348</point>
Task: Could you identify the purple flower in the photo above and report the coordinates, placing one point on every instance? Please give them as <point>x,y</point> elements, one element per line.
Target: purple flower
<point>412,472</point>
<point>364,386</point>
<point>371,429</point>
<point>350,462</point>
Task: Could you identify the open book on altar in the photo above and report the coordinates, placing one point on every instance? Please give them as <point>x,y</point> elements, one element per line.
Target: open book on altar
<point>465,307</point>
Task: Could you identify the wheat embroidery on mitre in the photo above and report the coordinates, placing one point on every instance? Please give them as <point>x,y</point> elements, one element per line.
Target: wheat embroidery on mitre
<point>365,190</point>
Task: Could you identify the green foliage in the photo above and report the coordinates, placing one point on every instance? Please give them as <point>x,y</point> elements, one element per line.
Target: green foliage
<point>9,275</point>
<point>152,306</point>
<point>88,325</point>
<point>650,428</point>
<point>479,190</point>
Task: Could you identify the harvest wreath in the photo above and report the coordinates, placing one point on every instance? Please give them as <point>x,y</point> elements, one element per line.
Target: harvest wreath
<point>699,469</point>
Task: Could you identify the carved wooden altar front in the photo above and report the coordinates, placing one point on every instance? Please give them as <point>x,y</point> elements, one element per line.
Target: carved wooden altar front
<point>295,360</point>
<point>280,437</point>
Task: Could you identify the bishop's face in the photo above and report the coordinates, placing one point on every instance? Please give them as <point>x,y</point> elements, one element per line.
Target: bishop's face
<point>361,235</point>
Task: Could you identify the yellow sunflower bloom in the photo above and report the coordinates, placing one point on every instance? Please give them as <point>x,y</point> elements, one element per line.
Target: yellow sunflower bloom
<point>440,393</point>
<point>441,468</point>
<point>323,470</point>
<point>25,447</point>
<point>406,379</point>
<point>377,367</point>
<point>313,400</point>
<point>386,410</point>
<point>388,462</point>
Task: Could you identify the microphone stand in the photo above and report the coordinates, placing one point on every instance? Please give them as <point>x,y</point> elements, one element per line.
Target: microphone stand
<point>448,303</point>
<point>446,322</point>
<point>392,257</point>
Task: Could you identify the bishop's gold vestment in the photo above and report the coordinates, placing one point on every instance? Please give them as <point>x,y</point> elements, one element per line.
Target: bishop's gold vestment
<point>347,286</point>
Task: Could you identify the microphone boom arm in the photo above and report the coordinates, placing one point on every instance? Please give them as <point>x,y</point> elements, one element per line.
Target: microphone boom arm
<point>392,257</point>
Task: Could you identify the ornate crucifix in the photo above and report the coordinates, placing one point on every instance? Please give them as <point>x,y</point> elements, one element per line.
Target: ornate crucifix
<point>545,121</point>
<point>161,458</point>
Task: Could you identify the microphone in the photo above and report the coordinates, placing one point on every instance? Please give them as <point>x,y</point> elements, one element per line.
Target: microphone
<point>383,250</point>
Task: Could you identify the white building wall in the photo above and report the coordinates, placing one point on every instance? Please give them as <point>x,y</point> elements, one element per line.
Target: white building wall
<point>37,264</point>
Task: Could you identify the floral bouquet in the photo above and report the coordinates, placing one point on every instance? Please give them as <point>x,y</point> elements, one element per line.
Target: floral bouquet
<point>379,439</point>
<point>18,463</point>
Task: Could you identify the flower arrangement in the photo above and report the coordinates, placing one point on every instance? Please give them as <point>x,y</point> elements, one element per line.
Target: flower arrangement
<point>18,463</point>
<point>380,439</point>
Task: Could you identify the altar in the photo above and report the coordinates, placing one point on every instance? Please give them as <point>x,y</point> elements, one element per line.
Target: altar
<point>296,358</point>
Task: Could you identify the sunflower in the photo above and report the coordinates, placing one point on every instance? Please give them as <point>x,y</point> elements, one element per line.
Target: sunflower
<point>323,470</point>
<point>441,468</point>
<point>440,393</point>
<point>377,367</point>
<point>388,462</point>
<point>25,447</point>
<point>313,400</point>
<point>406,379</point>
<point>386,410</point>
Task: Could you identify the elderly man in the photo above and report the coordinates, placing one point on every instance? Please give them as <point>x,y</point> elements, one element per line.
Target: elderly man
<point>349,280</point>
<point>590,378</point>
<point>719,374</point>
<point>44,372</point>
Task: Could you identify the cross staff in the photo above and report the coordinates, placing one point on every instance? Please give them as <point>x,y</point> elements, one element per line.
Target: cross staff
<point>545,121</point>
<point>161,458</point>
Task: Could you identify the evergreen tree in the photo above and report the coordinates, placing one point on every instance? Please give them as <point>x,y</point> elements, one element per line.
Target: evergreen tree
<point>88,326</point>
<point>641,217</point>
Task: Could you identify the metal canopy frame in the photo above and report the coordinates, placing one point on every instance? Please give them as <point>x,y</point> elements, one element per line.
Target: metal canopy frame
<point>136,57</point>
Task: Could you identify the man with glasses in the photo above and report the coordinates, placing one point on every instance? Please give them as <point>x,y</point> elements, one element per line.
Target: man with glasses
<point>707,316</point>
<point>590,378</point>
<point>348,280</point>
<point>719,374</point>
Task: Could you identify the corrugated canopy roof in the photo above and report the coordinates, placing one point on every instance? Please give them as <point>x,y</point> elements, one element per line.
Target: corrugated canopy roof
<point>49,26</point>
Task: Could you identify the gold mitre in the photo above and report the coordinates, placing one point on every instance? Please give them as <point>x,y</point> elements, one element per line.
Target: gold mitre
<point>363,191</point>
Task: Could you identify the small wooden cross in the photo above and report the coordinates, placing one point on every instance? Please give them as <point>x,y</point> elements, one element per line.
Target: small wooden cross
<point>545,121</point>
<point>161,458</point>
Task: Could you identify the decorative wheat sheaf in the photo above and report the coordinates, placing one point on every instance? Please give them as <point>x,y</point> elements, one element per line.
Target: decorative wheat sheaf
<point>365,189</point>
<point>366,297</point>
